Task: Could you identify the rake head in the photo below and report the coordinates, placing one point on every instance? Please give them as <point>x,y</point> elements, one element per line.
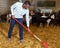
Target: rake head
<point>45,44</point>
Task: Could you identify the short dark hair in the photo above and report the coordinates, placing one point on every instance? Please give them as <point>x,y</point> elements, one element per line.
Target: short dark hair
<point>27,2</point>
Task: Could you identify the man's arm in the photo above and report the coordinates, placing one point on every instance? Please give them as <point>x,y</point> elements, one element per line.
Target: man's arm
<point>12,9</point>
<point>27,18</point>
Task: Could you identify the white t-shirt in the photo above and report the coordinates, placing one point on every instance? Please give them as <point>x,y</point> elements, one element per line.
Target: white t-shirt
<point>18,11</point>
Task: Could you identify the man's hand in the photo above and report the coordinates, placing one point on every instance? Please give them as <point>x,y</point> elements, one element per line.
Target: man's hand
<point>13,16</point>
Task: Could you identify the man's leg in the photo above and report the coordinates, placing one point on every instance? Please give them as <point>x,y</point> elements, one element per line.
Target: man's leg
<point>11,28</point>
<point>21,29</point>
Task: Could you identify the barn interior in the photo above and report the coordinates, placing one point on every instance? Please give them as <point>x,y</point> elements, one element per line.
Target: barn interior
<point>44,18</point>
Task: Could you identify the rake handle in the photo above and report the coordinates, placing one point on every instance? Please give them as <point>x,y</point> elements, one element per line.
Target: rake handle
<point>24,27</point>
<point>43,43</point>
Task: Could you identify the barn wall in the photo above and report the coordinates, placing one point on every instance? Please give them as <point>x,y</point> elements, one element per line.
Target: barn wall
<point>5,5</point>
<point>54,8</point>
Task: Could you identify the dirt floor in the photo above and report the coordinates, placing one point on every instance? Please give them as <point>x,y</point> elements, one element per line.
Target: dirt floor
<point>49,34</point>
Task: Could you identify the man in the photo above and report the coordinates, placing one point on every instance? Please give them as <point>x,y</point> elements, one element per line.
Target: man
<point>18,10</point>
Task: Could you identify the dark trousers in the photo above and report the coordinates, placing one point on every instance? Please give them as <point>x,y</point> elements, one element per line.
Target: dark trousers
<point>12,23</point>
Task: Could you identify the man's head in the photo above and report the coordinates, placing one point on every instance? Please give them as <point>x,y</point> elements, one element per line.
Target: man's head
<point>26,4</point>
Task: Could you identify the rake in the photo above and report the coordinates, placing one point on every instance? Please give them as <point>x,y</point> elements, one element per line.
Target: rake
<point>30,32</point>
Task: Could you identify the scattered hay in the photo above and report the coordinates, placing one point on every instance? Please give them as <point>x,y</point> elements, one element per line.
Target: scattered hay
<point>49,34</point>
